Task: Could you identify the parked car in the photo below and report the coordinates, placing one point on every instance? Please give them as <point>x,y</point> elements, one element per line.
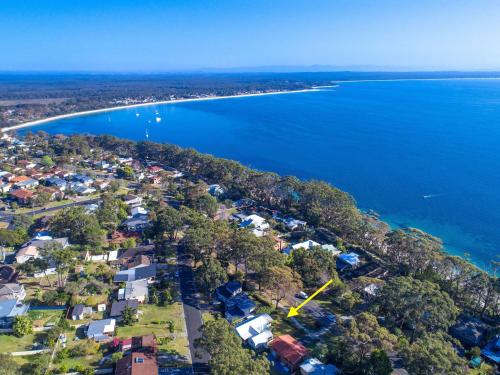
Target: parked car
<point>302,295</point>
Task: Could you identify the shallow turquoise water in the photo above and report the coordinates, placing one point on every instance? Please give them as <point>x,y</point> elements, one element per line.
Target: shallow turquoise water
<point>421,153</point>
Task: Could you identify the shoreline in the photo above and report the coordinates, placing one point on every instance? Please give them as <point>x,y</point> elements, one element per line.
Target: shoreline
<point>176,101</point>
<point>162,102</point>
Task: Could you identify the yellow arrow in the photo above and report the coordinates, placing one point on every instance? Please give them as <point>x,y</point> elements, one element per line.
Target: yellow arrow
<point>295,310</point>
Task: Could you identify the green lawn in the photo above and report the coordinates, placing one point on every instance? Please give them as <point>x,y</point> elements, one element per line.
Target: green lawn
<point>44,318</point>
<point>26,210</point>
<point>10,343</point>
<point>70,363</point>
<point>281,325</point>
<point>153,321</point>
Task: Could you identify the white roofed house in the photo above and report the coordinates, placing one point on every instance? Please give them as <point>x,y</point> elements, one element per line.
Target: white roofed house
<point>308,245</point>
<point>101,330</point>
<point>132,200</point>
<point>256,331</point>
<point>136,211</point>
<point>293,224</point>
<point>134,290</point>
<point>26,253</point>
<point>215,190</point>
<point>258,225</point>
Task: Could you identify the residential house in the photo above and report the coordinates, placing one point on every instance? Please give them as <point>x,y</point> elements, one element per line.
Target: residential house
<point>293,224</point>
<point>215,190</point>
<point>314,366</point>
<point>102,164</point>
<point>238,307</point>
<point>57,243</point>
<point>127,257</point>
<point>52,193</point>
<point>56,182</point>
<point>137,363</point>
<point>371,291</point>
<point>16,179</point>
<point>137,223</point>
<point>256,332</point>
<point>308,245</point>
<point>80,311</point>
<point>257,224</point>
<point>5,187</point>
<point>132,200</point>
<point>26,253</point>
<point>12,291</point>
<point>469,330</point>
<point>101,330</point>
<point>82,179</point>
<point>81,189</point>
<point>118,307</point>
<point>137,273</point>
<point>154,179</point>
<point>136,290</point>
<point>9,309</point>
<point>347,261</point>
<point>22,196</point>
<point>228,290</point>
<point>28,183</point>
<point>492,351</point>
<point>125,161</point>
<point>288,351</point>
<point>138,211</point>
<point>101,184</point>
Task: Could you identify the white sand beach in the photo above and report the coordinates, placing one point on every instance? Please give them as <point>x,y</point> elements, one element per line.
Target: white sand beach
<point>109,109</point>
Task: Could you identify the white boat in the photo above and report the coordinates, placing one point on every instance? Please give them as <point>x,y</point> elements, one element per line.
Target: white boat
<point>158,119</point>
<point>137,114</point>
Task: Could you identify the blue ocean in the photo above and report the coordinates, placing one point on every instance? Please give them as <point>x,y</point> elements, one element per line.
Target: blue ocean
<point>421,153</point>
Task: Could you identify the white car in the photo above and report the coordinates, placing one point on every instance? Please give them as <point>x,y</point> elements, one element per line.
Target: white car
<point>302,295</point>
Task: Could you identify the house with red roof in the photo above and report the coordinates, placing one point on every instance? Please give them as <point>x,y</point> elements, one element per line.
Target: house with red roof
<point>23,196</point>
<point>290,352</point>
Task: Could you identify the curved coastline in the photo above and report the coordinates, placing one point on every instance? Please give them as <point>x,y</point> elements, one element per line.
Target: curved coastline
<point>450,249</point>
<point>162,102</point>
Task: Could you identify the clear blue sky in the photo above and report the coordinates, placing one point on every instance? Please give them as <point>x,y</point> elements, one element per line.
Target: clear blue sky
<point>161,35</point>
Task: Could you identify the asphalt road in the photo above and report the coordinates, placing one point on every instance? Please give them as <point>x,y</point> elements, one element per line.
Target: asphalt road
<point>9,216</point>
<point>193,317</point>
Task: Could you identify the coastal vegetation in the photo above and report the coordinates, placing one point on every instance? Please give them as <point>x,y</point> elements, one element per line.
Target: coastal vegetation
<point>409,252</point>
<point>404,298</point>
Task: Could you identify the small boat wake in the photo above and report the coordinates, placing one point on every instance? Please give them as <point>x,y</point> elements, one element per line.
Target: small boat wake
<point>430,196</point>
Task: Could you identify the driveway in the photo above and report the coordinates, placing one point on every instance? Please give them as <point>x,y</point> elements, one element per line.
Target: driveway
<point>192,315</point>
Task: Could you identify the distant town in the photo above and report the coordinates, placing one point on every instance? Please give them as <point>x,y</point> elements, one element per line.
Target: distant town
<point>139,258</point>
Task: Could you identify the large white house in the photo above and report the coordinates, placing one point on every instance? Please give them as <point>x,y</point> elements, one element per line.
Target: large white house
<point>256,332</point>
<point>257,224</point>
<point>308,245</point>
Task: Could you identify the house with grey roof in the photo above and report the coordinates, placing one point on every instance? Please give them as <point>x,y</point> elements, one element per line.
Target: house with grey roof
<point>52,243</point>
<point>137,273</point>
<point>118,307</point>
<point>9,309</point>
<point>12,291</point>
<point>80,311</point>
<point>101,330</point>
<point>137,223</point>
<point>134,290</point>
